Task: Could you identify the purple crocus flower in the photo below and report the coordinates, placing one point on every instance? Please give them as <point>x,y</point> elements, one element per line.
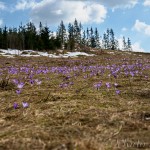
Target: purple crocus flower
<point>117,92</point>
<point>108,85</point>
<point>25,104</point>
<point>63,85</point>
<point>98,85</point>
<point>31,81</point>
<point>20,85</point>
<point>15,81</point>
<point>18,91</point>
<point>132,74</point>
<point>85,76</point>
<point>71,83</point>
<point>38,82</point>
<point>115,84</point>
<point>16,105</point>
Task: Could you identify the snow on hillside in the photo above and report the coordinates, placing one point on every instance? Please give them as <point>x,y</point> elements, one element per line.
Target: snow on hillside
<point>29,53</point>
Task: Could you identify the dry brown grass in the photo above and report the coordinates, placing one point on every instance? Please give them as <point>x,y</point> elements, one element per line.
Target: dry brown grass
<point>78,117</point>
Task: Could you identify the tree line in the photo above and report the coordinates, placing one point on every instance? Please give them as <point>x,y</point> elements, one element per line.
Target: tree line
<point>74,37</point>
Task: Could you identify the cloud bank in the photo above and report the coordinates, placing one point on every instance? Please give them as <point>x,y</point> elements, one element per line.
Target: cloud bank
<point>114,4</point>
<point>25,4</point>
<point>137,47</point>
<point>86,11</point>
<point>146,3</point>
<point>142,27</point>
<point>52,11</point>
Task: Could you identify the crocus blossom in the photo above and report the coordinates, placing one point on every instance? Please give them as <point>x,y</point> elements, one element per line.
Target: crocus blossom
<point>25,104</point>
<point>16,105</point>
<point>20,85</point>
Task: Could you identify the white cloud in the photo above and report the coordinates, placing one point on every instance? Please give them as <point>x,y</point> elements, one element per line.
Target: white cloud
<point>142,27</point>
<point>25,4</point>
<point>120,3</point>
<point>120,43</point>
<point>2,6</point>
<point>146,3</point>
<point>1,22</point>
<point>52,12</point>
<point>137,47</point>
<point>86,11</point>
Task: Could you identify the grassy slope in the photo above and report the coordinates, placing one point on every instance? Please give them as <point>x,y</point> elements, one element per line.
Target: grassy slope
<point>79,116</point>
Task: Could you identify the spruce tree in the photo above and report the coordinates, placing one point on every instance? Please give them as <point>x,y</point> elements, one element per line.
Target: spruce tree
<point>129,46</point>
<point>87,37</point>
<point>84,38</point>
<point>112,40</point>
<point>5,38</point>
<point>1,37</point>
<point>45,37</point>
<point>124,46</point>
<point>97,39</point>
<point>61,34</point>
<point>71,39</point>
<point>92,39</point>
<point>108,39</point>
<point>21,35</point>
<point>77,32</point>
<point>104,41</point>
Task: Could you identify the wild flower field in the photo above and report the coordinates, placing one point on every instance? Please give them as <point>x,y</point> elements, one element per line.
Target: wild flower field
<point>84,103</point>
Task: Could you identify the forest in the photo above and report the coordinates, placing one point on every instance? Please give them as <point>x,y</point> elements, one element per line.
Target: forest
<point>70,38</point>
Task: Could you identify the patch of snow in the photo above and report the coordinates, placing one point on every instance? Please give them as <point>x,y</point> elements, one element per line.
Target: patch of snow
<point>73,54</point>
<point>8,56</point>
<point>13,52</point>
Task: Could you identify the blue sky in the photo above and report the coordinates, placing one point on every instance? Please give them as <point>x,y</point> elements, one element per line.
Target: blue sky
<point>129,18</point>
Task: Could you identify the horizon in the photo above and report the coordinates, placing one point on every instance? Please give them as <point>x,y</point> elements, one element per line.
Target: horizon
<point>123,17</point>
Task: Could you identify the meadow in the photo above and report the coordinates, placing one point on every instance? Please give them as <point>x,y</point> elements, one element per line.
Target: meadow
<point>83,103</point>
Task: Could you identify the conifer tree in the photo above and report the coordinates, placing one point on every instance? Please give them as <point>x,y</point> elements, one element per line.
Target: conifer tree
<point>112,40</point>
<point>5,38</point>
<point>45,37</point>
<point>124,46</point>
<point>61,34</point>
<point>21,35</point>
<point>104,41</point>
<point>84,38</point>
<point>30,36</point>
<point>92,39</point>
<point>129,46</point>
<point>71,39</point>
<point>87,37</point>
<point>77,32</point>
<point>1,37</point>
<point>97,39</point>
<point>107,39</point>
<point>39,38</point>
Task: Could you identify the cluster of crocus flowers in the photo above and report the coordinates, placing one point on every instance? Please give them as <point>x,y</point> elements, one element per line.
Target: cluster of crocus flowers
<point>24,104</point>
<point>19,86</point>
<point>117,91</point>
<point>108,86</point>
<point>98,85</point>
<point>78,69</point>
